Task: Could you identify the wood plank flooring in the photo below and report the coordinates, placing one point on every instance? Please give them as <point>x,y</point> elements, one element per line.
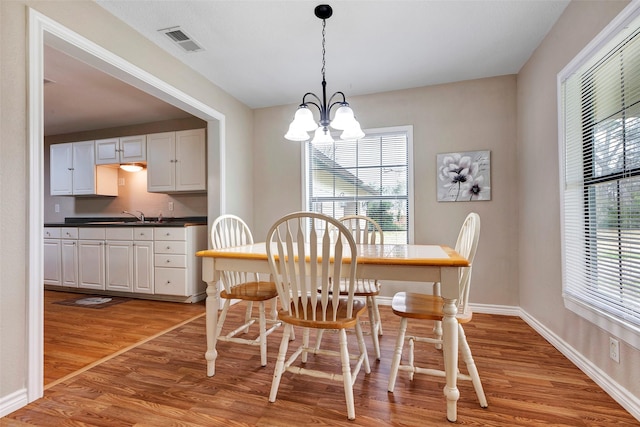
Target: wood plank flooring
<point>163,382</point>
<point>77,337</point>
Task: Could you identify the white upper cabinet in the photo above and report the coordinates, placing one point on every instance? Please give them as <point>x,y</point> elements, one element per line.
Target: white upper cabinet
<point>73,171</point>
<point>127,149</point>
<point>176,161</point>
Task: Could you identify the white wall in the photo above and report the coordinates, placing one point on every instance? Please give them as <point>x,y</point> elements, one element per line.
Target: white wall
<point>93,22</point>
<point>465,116</point>
<point>538,194</point>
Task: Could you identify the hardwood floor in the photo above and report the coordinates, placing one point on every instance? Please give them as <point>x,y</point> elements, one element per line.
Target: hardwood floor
<point>163,382</point>
<point>78,337</point>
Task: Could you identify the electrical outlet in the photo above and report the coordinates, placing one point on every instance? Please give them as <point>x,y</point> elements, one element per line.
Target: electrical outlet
<point>170,206</point>
<point>614,349</point>
<point>56,208</point>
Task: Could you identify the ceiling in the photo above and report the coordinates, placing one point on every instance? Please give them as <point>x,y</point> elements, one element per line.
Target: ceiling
<point>267,53</point>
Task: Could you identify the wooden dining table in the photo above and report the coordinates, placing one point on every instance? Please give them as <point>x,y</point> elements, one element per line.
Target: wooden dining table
<point>392,262</point>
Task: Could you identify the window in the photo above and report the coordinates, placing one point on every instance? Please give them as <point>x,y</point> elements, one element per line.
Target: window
<point>370,176</point>
<point>600,148</point>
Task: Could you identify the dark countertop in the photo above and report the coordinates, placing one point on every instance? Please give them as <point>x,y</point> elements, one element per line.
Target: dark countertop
<point>129,221</point>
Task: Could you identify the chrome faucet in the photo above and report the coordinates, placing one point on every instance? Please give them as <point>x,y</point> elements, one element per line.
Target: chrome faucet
<point>139,218</point>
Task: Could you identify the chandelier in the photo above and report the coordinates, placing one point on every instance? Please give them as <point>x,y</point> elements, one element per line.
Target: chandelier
<point>344,119</point>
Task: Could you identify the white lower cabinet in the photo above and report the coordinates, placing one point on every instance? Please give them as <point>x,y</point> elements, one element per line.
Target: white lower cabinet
<point>138,260</point>
<point>91,256</point>
<point>61,256</point>
<point>177,270</point>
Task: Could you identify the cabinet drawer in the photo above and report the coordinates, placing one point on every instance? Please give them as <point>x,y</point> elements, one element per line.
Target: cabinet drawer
<point>119,233</point>
<point>69,233</point>
<point>167,247</point>
<point>170,281</point>
<point>51,233</point>
<point>91,233</point>
<point>172,261</point>
<point>143,233</point>
<point>164,233</point>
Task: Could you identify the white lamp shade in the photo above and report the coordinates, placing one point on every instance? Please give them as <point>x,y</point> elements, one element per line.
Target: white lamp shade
<point>343,119</point>
<point>353,132</point>
<point>295,133</point>
<point>322,135</point>
<point>303,119</point>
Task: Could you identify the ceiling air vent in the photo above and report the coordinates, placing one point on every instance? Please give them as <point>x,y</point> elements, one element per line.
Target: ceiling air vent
<point>182,39</point>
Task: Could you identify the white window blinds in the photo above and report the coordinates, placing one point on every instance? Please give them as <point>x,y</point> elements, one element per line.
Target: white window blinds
<point>601,192</point>
<point>369,176</point>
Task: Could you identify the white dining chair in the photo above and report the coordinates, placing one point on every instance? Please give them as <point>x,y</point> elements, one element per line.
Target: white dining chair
<point>303,258</point>
<point>365,230</point>
<point>229,231</point>
<point>429,307</point>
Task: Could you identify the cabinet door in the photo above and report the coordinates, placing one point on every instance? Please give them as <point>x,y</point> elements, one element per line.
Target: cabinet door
<point>107,151</point>
<point>91,264</point>
<point>84,169</point>
<point>133,149</point>
<point>69,255</point>
<point>161,171</point>
<point>61,169</point>
<point>52,266</point>
<point>119,266</point>
<point>143,267</point>
<point>191,160</point>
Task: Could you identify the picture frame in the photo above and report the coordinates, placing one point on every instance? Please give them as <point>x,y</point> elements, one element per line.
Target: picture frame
<point>464,176</point>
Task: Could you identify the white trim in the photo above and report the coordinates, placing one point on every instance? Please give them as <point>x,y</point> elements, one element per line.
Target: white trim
<point>41,29</point>
<point>623,330</point>
<point>13,402</point>
<point>624,397</point>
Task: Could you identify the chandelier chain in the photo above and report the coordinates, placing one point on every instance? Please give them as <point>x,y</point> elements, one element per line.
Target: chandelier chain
<point>324,24</point>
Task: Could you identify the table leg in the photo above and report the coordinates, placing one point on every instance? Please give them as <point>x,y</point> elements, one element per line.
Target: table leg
<point>211,277</point>
<point>450,291</point>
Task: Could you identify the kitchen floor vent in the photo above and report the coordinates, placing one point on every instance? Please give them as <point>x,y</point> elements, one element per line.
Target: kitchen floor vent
<point>182,39</point>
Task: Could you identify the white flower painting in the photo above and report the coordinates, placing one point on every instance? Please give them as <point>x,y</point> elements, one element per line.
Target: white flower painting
<point>464,176</point>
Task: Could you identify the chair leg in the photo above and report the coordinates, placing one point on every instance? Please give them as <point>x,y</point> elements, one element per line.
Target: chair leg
<point>437,325</point>
<point>397,354</point>
<point>346,375</point>
<point>263,334</point>
<point>279,369</point>
<point>362,347</point>
<point>319,333</point>
<point>305,344</point>
<point>222,317</point>
<point>378,318</point>
<point>247,315</point>
<point>471,367</point>
<point>374,323</point>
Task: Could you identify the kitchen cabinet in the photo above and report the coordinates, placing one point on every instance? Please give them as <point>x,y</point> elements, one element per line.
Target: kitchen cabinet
<point>176,161</point>
<point>119,259</point>
<point>73,171</point>
<point>129,260</point>
<point>91,256</point>
<point>52,269</point>
<point>128,149</point>
<point>61,256</point>
<point>177,270</point>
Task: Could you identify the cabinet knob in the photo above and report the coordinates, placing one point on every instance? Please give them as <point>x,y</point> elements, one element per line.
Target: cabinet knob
<point>168,261</point>
<point>168,247</point>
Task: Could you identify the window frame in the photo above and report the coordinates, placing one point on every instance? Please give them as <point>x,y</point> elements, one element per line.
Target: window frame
<point>408,129</point>
<point>602,318</point>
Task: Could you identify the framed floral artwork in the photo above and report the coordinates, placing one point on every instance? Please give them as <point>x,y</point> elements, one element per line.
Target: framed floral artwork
<point>464,176</point>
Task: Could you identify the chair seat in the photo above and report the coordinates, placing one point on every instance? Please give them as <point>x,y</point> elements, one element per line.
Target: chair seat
<point>422,306</point>
<point>341,322</point>
<point>252,291</point>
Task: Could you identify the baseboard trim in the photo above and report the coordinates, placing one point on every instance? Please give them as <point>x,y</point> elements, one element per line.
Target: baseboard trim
<point>624,397</point>
<point>13,402</point>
